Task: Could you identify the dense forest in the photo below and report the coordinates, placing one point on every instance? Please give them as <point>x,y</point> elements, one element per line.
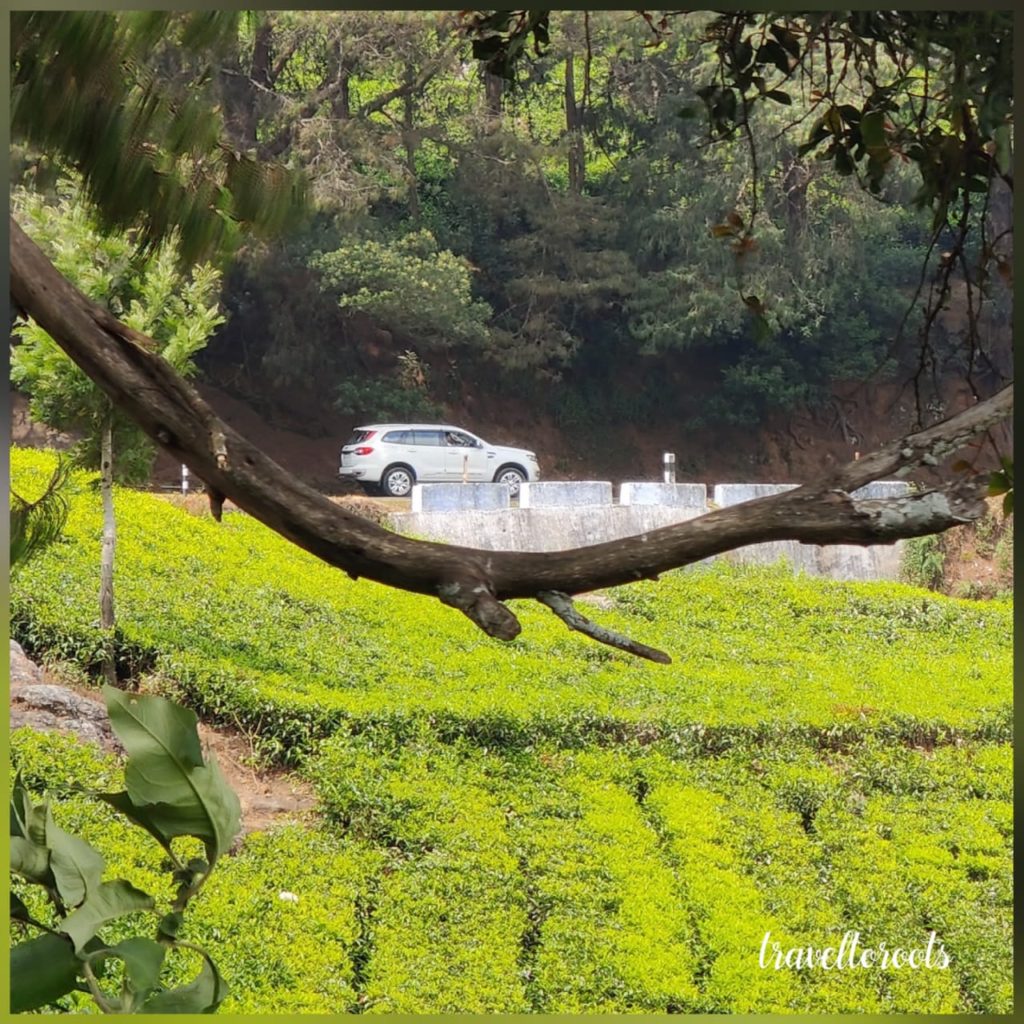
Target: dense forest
<point>572,241</point>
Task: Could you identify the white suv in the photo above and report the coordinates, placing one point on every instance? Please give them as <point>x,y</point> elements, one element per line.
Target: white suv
<point>392,457</point>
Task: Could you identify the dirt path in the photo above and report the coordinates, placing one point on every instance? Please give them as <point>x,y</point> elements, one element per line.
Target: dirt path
<point>48,699</point>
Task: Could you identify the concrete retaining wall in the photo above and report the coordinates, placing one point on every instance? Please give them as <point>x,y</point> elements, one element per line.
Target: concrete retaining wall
<point>836,561</point>
<point>539,529</point>
<point>563,521</point>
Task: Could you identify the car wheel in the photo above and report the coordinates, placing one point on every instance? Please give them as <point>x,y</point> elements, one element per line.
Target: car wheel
<point>512,476</point>
<point>397,481</point>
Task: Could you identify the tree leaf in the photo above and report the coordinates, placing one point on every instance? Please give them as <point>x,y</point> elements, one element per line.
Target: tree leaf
<point>998,483</point>
<point>108,902</point>
<point>143,959</point>
<point>872,128</point>
<point>168,821</point>
<point>42,970</point>
<point>844,163</point>
<point>203,995</point>
<point>779,96</point>
<point>787,39</point>
<point>772,53</point>
<point>31,861</point>
<point>154,730</point>
<point>170,924</point>
<point>170,791</point>
<point>77,868</point>
<point>18,797</point>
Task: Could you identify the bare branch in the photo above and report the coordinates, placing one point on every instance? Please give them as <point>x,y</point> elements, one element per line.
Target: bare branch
<point>561,604</point>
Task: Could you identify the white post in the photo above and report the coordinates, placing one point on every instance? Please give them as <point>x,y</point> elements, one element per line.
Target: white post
<point>669,467</point>
<point>184,479</point>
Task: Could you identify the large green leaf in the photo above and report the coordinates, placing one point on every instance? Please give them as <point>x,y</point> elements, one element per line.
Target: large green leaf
<point>42,970</point>
<point>77,868</point>
<point>21,804</point>
<point>170,791</point>
<point>167,821</point>
<point>143,959</point>
<point>203,995</point>
<point>157,734</point>
<point>107,902</point>
<point>31,861</point>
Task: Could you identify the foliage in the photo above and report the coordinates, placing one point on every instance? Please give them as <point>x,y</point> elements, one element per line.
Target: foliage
<point>384,400</point>
<point>1001,482</point>
<point>179,311</point>
<point>36,524</point>
<point>170,792</point>
<point>281,955</point>
<point>924,559</point>
<point>84,91</point>
<point>1004,555</point>
<point>410,287</point>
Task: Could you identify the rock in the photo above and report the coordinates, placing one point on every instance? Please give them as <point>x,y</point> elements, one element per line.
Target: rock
<point>47,707</point>
<point>23,671</point>
<point>60,701</point>
<point>45,721</point>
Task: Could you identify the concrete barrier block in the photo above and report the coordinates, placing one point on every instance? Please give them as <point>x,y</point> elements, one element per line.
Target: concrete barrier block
<point>459,497</point>
<point>565,493</point>
<point>733,494</point>
<point>651,492</point>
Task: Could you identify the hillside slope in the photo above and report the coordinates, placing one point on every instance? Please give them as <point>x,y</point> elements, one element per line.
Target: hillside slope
<point>551,826</point>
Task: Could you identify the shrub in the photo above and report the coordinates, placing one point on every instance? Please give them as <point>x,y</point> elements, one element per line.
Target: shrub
<point>923,561</point>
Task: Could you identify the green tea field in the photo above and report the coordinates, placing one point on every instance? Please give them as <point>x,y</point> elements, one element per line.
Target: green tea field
<point>548,825</point>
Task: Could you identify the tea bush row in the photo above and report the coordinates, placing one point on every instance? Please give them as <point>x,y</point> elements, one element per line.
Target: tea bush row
<point>650,881</point>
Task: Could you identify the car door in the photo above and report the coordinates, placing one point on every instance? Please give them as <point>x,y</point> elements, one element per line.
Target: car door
<point>429,460</point>
<point>464,456</point>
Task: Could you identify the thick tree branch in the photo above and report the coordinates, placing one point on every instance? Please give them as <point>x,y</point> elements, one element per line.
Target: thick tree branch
<point>171,412</point>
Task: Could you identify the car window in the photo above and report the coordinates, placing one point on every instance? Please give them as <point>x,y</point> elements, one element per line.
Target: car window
<point>398,437</point>
<point>358,436</point>
<point>428,437</point>
<point>457,439</point>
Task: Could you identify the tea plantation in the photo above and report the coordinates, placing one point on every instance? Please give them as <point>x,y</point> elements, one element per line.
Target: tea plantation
<point>547,825</point>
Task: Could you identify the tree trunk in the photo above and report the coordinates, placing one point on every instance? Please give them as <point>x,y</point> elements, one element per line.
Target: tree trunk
<point>259,68</point>
<point>108,544</point>
<point>574,126</point>
<point>341,105</point>
<point>411,143</point>
<point>476,582</point>
<point>494,91</point>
